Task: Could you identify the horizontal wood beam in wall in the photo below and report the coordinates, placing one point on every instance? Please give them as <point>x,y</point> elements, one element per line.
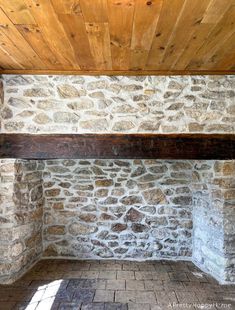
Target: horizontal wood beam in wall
<point>117,72</point>
<point>122,146</point>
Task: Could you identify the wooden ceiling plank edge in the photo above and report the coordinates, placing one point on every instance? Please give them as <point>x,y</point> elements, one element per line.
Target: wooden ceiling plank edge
<point>119,72</point>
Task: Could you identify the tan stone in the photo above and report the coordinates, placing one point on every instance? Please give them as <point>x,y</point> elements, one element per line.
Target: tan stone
<point>56,230</point>
<point>148,126</point>
<point>47,104</point>
<point>154,196</point>
<point>76,229</point>
<point>17,248</point>
<point>131,200</point>
<point>195,127</point>
<point>42,118</point>
<point>229,168</point>
<point>99,84</point>
<point>125,108</point>
<point>123,126</point>
<point>229,194</point>
<point>50,251</point>
<point>88,217</point>
<point>69,91</point>
<point>83,104</point>
<point>97,95</point>
<point>52,192</point>
<point>25,113</point>
<point>95,124</point>
<point>104,182</point>
<point>220,128</point>
<point>37,92</point>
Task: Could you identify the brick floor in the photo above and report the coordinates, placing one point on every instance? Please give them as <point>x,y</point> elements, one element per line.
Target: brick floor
<point>115,285</point>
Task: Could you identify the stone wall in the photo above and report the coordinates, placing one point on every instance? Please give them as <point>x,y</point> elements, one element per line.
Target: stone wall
<point>132,209</point>
<point>214,218</point>
<point>79,104</point>
<point>21,208</point>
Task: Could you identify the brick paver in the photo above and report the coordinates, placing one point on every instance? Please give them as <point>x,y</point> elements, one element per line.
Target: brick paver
<point>115,285</point>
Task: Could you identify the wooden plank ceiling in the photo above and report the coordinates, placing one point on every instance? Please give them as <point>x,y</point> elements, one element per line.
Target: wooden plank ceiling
<point>117,36</point>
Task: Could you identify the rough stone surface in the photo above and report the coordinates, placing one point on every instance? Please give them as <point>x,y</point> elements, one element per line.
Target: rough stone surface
<point>99,209</point>
<point>21,208</point>
<point>125,104</point>
<point>213,219</point>
<point>109,217</point>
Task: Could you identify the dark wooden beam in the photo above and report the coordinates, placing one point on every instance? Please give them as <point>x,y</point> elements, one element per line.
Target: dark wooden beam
<point>129,146</point>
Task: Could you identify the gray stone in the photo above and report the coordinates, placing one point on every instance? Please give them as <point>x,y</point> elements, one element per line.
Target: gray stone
<point>65,117</point>
<point>82,104</point>
<point>18,103</point>
<point>37,92</point>
<point>6,113</point>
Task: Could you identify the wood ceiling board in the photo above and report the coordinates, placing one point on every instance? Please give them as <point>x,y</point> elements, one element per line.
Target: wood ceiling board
<point>168,17</point>
<point>144,27</point>
<point>53,32</point>
<point>144,23</point>
<point>99,40</point>
<point>195,42</point>
<point>138,59</point>
<point>75,29</point>
<point>33,36</point>
<point>17,11</point>
<point>215,10</point>
<point>220,33</point>
<point>66,7</point>
<point>113,36</point>
<point>187,23</point>
<point>9,29</point>
<point>94,11</point>
<point>15,54</point>
<point>228,62</point>
<point>7,62</point>
<point>121,15</point>
<point>223,55</point>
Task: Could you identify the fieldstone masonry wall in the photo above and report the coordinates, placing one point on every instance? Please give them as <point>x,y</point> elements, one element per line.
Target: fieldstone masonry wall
<point>21,209</point>
<point>132,209</point>
<point>214,220</point>
<point>129,209</point>
<point>79,104</point>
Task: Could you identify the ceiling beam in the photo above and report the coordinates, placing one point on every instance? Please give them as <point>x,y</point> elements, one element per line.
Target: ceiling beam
<point>122,146</point>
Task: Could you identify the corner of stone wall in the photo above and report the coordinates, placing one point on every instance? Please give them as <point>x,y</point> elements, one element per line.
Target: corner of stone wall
<point>228,187</point>
<point>1,99</point>
<point>213,218</point>
<point>21,208</point>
